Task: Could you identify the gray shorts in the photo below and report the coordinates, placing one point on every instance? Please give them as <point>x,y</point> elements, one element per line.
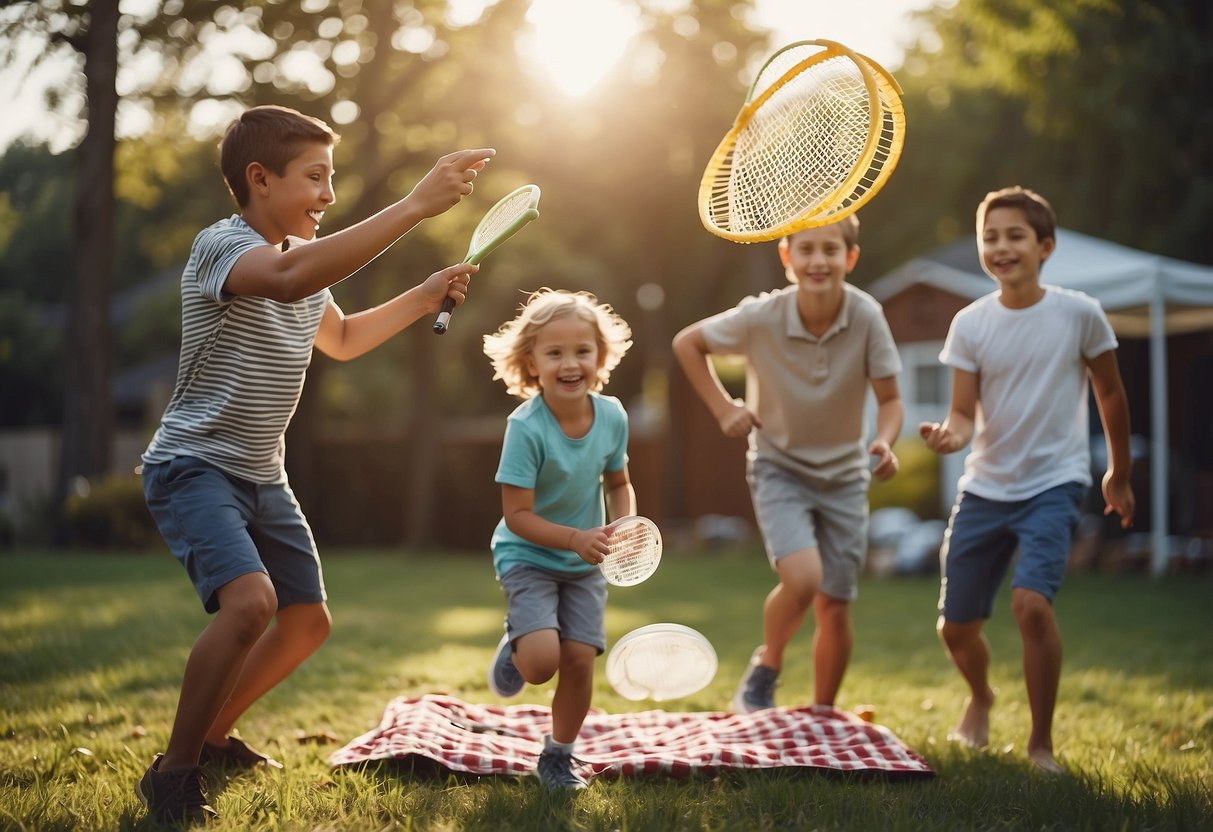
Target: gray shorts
<point>221,527</point>
<point>795,514</point>
<point>573,605</point>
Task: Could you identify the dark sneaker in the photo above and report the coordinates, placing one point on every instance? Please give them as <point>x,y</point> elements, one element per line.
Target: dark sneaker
<point>504,678</point>
<point>555,770</point>
<point>236,754</point>
<point>174,796</point>
<point>757,689</point>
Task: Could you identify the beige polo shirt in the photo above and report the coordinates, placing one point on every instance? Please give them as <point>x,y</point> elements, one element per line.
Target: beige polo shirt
<point>809,392</point>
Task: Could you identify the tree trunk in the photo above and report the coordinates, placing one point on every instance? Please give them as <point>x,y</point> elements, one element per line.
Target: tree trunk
<point>88,419</point>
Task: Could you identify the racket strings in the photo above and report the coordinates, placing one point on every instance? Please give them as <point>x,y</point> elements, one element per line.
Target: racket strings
<point>500,218</point>
<point>796,151</point>
<point>633,549</point>
<point>889,141</point>
<point>820,135</point>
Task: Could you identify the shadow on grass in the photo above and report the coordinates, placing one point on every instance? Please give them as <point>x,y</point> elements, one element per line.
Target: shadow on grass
<point>974,791</point>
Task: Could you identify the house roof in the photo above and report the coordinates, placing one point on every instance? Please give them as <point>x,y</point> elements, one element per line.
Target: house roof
<point>1124,280</point>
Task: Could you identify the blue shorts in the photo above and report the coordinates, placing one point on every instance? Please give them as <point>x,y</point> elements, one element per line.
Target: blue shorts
<point>573,605</point>
<point>221,527</point>
<point>982,538</point>
<point>794,514</point>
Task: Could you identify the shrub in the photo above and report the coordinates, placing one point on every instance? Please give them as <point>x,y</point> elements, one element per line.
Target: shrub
<point>916,485</point>
<point>111,514</point>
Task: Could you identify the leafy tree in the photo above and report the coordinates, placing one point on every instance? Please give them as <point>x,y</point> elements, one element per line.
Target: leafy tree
<point>1099,104</point>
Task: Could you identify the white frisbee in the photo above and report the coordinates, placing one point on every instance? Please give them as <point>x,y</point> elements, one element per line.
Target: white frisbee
<point>661,661</point>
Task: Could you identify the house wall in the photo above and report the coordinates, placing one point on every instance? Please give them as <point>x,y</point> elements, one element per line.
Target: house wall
<point>29,464</point>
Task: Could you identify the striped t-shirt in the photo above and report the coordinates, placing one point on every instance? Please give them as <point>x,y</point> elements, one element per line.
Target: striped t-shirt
<point>243,361</point>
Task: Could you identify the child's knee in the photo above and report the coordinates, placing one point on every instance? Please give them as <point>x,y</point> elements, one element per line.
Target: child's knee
<point>955,634</point>
<point>831,612</point>
<point>537,656</point>
<point>308,623</point>
<point>249,614</point>
<point>800,576</point>
<point>1031,609</point>
<point>577,659</point>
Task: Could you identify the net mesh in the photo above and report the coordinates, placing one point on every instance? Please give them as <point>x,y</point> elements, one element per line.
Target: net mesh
<point>635,552</point>
<point>807,154</point>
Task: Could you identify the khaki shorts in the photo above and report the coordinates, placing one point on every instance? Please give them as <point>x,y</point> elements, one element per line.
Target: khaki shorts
<point>794,514</point>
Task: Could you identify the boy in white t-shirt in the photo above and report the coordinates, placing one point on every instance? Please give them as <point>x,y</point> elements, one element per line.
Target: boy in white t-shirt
<point>1020,359</point>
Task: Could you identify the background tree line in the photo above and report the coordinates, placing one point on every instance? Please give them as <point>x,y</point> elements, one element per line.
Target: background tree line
<point>1101,105</point>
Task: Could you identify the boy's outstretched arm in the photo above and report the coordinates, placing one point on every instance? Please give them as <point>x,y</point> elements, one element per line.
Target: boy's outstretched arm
<point>1114,414</point>
<point>889,415</point>
<point>301,271</point>
<point>345,337</point>
<point>691,349</point>
<point>957,429</point>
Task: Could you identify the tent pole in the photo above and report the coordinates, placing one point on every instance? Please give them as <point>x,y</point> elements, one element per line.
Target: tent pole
<point>1160,456</point>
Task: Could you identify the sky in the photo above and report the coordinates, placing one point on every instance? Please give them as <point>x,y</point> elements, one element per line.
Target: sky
<point>879,29</point>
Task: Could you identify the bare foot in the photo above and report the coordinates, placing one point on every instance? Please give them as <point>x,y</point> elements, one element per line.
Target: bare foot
<point>1044,761</point>
<point>974,727</point>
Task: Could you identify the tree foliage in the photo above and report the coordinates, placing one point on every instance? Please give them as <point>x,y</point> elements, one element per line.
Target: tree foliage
<point>1099,104</point>
<point>1102,105</point>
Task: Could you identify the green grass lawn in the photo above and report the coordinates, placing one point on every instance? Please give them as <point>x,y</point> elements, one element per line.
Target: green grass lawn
<point>92,650</point>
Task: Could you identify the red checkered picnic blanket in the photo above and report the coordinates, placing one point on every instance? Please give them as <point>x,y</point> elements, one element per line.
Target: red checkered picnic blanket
<point>497,739</point>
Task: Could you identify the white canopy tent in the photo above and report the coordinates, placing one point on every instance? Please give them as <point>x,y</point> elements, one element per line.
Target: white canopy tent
<point>1144,295</point>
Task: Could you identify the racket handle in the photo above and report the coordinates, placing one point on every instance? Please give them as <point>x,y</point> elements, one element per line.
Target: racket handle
<point>444,317</point>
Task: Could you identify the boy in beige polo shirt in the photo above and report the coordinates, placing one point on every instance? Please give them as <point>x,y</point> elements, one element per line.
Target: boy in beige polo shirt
<point>811,349</point>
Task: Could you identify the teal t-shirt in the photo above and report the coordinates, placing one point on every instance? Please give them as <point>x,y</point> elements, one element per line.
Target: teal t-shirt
<point>565,475</point>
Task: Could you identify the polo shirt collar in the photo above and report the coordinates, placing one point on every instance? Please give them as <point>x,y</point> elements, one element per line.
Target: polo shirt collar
<point>795,328</point>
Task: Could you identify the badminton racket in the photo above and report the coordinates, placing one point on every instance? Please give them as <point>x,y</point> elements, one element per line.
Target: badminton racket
<point>819,134</point>
<point>661,661</point>
<point>502,221</point>
<point>634,551</point>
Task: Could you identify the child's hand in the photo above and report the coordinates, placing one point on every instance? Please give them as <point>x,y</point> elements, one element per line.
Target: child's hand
<point>737,422</point>
<point>939,438</point>
<point>449,181</point>
<point>590,545</point>
<point>450,282</point>
<point>1119,497</point>
<point>886,462</point>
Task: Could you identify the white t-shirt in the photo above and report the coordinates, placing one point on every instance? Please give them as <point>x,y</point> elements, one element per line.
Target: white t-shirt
<point>1032,430</point>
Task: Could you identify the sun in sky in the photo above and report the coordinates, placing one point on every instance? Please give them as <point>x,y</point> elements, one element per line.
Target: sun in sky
<point>577,43</point>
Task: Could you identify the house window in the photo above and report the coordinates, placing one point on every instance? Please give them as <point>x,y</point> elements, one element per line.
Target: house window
<point>924,381</point>
<point>931,383</point>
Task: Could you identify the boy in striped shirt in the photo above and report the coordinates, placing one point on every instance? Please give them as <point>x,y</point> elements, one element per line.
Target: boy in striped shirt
<point>255,303</point>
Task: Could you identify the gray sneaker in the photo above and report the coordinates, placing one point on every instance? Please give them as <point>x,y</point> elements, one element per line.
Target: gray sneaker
<point>504,678</point>
<point>757,689</point>
<point>174,797</point>
<point>555,770</point>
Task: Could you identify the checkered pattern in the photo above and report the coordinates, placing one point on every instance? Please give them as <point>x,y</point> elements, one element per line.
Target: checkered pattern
<point>497,739</point>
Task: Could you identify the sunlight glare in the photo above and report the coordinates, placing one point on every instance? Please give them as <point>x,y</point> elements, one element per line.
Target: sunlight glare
<point>576,44</point>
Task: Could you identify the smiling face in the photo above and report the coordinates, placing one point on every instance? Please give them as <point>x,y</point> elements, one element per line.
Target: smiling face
<point>1011,251</point>
<point>818,259</point>
<point>298,198</point>
<point>565,358</point>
